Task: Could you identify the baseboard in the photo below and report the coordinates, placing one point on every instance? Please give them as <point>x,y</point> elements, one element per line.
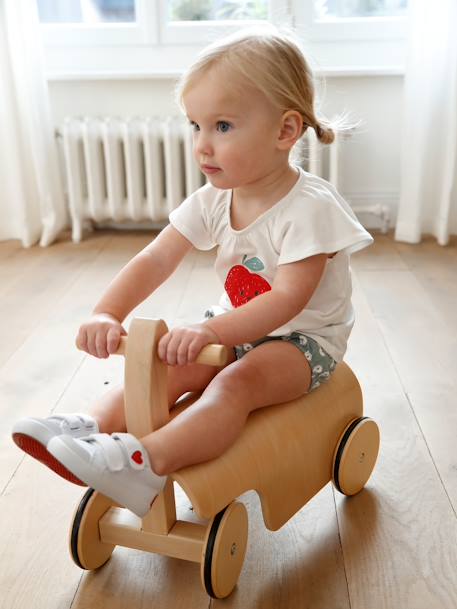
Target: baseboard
<point>375,210</point>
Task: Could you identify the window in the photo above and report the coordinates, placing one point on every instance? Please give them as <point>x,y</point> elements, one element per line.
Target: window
<point>336,20</point>
<point>338,9</point>
<point>354,36</point>
<point>130,38</point>
<point>206,10</point>
<point>86,11</point>
<point>97,23</point>
<point>197,21</point>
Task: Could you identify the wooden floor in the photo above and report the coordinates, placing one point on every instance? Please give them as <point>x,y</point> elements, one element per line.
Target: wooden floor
<point>393,546</point>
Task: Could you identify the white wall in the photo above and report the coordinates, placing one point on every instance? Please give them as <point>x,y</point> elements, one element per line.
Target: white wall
<point>370,164</point>
<point>370,172</point>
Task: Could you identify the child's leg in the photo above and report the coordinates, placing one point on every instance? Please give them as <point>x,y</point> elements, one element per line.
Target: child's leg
<point>132,472</point>
<point>272,373</point>
<point>108,411</point>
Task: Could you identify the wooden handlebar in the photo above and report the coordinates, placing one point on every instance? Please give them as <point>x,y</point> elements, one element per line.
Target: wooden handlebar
<point>212,355</point>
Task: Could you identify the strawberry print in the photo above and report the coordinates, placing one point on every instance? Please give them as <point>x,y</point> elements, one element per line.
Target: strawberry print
<point>241,285</point>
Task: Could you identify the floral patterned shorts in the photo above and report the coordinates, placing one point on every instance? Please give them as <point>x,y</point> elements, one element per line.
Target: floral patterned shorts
<point>321,363</point>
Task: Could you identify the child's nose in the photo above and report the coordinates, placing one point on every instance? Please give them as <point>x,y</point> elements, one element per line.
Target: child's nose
<point>203,146</point>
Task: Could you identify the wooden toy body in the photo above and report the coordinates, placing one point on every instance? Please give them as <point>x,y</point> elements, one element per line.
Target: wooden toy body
<point>287,453</point>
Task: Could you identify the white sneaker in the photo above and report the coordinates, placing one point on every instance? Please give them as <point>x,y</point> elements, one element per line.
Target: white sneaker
<point>33,435</point>
<point>115,465</point>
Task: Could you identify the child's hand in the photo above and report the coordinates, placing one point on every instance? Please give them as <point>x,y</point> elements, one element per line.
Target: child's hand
<point>182,345</point>
<point>100,335</point>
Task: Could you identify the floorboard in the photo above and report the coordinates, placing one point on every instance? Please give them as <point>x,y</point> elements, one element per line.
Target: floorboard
<point>394,545</point>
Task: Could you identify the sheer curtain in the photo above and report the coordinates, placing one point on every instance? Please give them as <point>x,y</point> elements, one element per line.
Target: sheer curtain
<point>428,197</point>
<point>32,204</point>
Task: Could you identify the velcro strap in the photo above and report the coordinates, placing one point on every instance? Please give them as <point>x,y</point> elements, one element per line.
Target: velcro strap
<point>112,450</point>
<point>135,452</point>
<point>72,420</point>
<point>87,420</point>
<point>120,449</point>
<point>75,420</point>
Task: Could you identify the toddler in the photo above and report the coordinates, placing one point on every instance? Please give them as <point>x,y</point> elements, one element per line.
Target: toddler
<point>284,239</point>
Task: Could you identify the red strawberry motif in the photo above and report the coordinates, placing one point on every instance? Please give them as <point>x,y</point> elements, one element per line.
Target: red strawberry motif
<point>241,285</point>
<point>137,457</point>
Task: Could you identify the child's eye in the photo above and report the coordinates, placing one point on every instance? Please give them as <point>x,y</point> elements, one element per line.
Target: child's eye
<point>194,126</point>
<point>223,126</point>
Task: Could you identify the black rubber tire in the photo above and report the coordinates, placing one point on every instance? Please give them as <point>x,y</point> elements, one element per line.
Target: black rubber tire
<point>75,527</point>
<point>209,552</point>
<point>340,450</point>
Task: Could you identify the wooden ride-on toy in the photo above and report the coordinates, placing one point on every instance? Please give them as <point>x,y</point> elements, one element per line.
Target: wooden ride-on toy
<point>287,453</point>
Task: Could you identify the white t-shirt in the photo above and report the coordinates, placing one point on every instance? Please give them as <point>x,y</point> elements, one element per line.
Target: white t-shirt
<point>311,219</point>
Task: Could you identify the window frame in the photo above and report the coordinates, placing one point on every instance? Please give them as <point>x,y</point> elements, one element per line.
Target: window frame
<point>202,32</point>
<point>143,31</point>
<point>154,48</point>
<point>340,29</point>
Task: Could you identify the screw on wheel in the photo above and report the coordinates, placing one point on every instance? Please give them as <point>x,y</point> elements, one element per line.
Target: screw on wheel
<point>224,550</point>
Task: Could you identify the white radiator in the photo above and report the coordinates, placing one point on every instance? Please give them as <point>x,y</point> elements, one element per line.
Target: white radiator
<point>138,170</point>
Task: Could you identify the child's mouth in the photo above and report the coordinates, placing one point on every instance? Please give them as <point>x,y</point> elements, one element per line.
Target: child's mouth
<point>208,169</point>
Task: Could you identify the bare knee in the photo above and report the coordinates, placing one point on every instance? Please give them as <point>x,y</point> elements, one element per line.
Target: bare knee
<point>236,385</point>
<point>253,382</point>
<point>193,377</point>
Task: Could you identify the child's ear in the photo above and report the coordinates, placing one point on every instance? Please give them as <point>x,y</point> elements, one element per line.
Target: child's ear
<point>291,129</point>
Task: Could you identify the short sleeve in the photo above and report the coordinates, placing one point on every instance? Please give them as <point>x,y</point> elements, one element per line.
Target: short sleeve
<point>193,219</point>
<point>320,225</point>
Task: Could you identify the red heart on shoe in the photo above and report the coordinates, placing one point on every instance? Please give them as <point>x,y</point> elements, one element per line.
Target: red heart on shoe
<point>137,457</point>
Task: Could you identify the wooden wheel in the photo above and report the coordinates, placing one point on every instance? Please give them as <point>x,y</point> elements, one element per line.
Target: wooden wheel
<point>86,549</point>
<point>356,455</point>
<point>224,550</point>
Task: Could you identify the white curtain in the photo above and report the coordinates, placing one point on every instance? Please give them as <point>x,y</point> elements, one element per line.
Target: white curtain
<point>32,206</point>
<point>428,198</point>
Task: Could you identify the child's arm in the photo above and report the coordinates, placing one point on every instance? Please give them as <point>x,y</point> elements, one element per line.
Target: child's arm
<point>133,284</point>
<point>293,286</point>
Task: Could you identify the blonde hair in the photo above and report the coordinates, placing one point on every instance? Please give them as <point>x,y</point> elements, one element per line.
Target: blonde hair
<point>273,63</point>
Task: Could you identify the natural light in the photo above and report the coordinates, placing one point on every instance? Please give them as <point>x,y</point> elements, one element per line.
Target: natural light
<point>121,11</point>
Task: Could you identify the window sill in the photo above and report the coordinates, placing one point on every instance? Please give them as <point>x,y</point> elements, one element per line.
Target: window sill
<point>130,75</point>
<point>336,72</point>
<point>329,59</point>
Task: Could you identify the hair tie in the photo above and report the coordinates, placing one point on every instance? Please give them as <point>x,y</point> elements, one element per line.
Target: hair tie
<point>319,131</point>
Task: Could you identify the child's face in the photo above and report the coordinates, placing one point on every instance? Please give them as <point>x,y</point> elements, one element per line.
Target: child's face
<point>235,131</point>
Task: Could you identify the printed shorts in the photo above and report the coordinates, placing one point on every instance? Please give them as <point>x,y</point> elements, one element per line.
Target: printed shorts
<point>321,363</point>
